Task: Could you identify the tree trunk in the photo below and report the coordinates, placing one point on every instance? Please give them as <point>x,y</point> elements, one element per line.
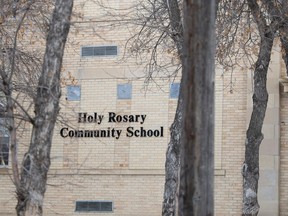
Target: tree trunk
<point>197,158</point>
<point>36,161</point>
<point>254,137</point>
<point>172,164</point>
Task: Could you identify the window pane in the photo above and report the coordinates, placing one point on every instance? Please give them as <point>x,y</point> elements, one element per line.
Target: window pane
<point>174,90</point>
<point>87,51</point>
<point>95,206</point>
<point>106,206</point>
<point>73,93</point>
<point>111,50</point>
<point>81,206</point>
<point>99,51</point>
<point>124,91</point>
<point>4,150</point>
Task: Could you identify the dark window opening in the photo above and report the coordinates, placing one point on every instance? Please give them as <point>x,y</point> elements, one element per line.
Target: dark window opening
<point>4,150</point>
<point>99,51</point>
<point>94,206</point>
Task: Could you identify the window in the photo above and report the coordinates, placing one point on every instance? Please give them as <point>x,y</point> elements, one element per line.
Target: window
<point>4,143</point>
<point>99,51</point>
<point>124,91</point>
<point>174,90</point>
<point>94,206</point>
<point>4,151</point>
<point>73,93</point>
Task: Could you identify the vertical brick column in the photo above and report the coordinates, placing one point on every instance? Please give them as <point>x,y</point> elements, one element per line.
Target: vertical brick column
<point>218,119</point>
<point>70,145</point>
<point>122,145</point>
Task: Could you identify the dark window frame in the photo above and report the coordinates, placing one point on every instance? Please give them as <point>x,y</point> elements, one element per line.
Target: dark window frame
<point>94,206</point>
<point>4,144</point>
<point>99,51</point>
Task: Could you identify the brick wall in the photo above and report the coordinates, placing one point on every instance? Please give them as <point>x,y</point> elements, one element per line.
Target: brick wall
<point>130,171</point>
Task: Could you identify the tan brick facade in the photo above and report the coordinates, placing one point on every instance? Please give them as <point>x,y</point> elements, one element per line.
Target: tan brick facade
<point>130,171</point>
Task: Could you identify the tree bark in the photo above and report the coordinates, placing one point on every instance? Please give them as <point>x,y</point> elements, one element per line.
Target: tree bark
<point>172,164</point>
<point>176,26</point>
<point>36,162</point>
<point>197,157</point>
<point>254,136</point>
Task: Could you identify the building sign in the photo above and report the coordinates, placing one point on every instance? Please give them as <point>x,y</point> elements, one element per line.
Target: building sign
<point>109,132</point>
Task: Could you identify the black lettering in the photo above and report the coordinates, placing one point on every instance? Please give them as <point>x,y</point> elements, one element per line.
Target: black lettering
<point>79,133</point>
<point>131,118</point>
<point>156,133</point>
<point>112,117</point>
<point>137,133</point>
<point>150,133</point>
<point>143,119</point>
<point>82,116</point>
<point>62,132</point>
<point>71,133</point>
<point>96,133</point>
<point>88,133</point>
<point>95,117</point>
<point>118,118</point>
<point>136,118</point>
<point>143,132</point>
<point>125,118</point>
<point>108,132</point>
<point>118,133</point>
<point>129,131</point>
<point>90,118</point>
<point>103,133</point>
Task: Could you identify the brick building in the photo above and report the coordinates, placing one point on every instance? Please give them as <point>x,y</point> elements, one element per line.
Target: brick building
<point>114,165</point>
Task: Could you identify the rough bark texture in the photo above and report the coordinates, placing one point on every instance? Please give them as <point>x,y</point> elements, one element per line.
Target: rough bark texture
<point>36,161</point>
<point>172,164</point>
<point>197,158</point>
<point>254,137</point>
<point>176,26</point>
